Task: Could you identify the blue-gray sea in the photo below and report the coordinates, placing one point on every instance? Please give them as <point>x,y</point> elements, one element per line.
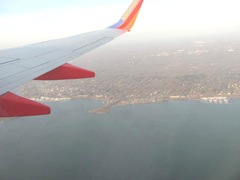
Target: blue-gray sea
<point>175,140</point>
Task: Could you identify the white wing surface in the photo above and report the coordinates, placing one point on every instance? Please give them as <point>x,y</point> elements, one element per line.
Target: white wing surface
<point>47,61</point>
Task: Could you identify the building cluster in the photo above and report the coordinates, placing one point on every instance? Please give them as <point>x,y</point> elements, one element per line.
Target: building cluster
<point>207,71</point>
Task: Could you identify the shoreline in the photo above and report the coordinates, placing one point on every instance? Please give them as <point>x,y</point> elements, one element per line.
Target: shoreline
<point>106,107</point>
<point>107,104</point>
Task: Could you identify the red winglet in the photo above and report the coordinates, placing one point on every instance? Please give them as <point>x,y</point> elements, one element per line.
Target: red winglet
<point>12,105</point>
<point>67,71</point>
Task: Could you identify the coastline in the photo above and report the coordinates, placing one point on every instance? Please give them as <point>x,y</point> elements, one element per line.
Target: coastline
<point>106,107</point>
<point>107,103</point>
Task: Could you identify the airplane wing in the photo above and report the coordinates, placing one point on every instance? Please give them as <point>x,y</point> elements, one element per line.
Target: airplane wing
<point>47,61</point>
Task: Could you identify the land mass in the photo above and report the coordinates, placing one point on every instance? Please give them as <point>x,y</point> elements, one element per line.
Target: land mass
<point>152,71</point>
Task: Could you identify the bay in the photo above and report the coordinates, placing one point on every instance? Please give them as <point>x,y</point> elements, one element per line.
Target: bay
<point>167,141</point>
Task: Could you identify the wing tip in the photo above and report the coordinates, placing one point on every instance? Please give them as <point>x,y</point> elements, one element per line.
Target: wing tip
<point>129,18</point>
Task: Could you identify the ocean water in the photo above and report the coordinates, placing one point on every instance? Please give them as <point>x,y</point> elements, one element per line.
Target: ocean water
<point>175,140</point>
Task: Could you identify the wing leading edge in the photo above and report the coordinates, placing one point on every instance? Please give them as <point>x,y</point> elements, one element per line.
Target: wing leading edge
<point>47,61</point>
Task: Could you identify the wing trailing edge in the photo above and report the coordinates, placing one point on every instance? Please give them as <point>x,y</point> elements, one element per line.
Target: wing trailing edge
<point>128,19</point>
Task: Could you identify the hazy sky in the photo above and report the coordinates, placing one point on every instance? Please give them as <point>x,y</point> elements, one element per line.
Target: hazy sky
<point>28,21</point>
